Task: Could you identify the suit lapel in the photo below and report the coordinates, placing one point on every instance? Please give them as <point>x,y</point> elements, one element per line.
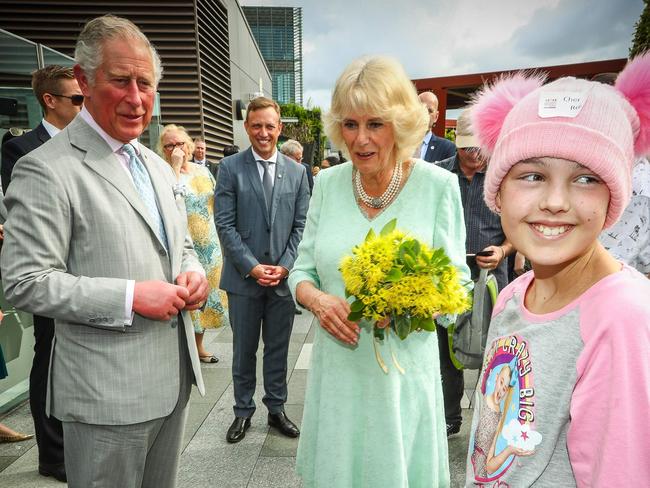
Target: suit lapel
<point>106,164</point>
<point>256,182</point>
<point>280,178</point>
<point>42,133</point>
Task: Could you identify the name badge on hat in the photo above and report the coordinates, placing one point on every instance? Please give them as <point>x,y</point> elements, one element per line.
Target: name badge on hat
<point>561,104</point>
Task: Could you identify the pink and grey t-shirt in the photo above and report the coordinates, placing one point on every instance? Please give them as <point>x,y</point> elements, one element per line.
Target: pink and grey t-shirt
<point>563,398</point>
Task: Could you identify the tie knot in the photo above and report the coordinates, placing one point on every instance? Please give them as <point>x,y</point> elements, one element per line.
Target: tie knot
<point>129,150</point>
<point>266,163</point>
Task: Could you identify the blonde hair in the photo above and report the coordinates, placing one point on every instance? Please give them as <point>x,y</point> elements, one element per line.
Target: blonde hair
<point>378,86</point>
<point>189,145</point>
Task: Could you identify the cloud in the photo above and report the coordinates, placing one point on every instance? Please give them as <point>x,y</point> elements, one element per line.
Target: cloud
<point>521,436</point>
<point>434,38</point>
<point>579,28</point>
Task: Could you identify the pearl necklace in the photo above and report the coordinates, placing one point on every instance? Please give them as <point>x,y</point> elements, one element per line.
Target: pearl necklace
<point>386,197</point>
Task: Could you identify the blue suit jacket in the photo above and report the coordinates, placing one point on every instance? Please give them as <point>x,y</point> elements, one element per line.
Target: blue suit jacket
<point>439,149</point>
<point>248,235</point>
<point>17,147</point>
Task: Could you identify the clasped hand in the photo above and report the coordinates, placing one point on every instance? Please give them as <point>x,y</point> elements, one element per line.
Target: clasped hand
<point>159,300</point>
<point>268,275</point>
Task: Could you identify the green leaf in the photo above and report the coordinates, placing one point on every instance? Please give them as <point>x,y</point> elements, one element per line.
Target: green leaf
<point>409,261</point>
<point>415,323</point>
<point>402,326</point>
<point>370,235</point>
<point>428,324</point>
<point>357,306</point>
<point>394,275</point>
<point>416,247</point>
<point>347,293</point>
<point>389,227</point>
<point>355,316</point>
<point>379,333</point>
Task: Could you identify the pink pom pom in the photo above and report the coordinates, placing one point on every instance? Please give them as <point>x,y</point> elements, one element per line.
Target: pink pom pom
<point>634,84</point>
<point>493,103</point>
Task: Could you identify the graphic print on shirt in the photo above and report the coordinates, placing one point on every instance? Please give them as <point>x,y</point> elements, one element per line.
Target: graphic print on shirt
<point>506,426</point>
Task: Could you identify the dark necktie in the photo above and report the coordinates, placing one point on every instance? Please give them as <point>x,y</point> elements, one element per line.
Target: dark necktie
<point>267,184</point>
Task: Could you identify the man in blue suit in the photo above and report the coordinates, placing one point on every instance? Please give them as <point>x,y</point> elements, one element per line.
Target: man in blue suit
<point>434,148</point>
<point>260,210</point>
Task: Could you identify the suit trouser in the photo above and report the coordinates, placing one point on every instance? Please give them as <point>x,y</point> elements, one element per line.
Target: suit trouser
<point>272,315</point>
<point>142,455</point>
<point>453,382</point>
<point>49,431</point>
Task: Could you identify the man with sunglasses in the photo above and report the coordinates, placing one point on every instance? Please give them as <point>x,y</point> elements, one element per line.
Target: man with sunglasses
<point>486,246</point>
<point>57,90</point>
<point>58,93</point>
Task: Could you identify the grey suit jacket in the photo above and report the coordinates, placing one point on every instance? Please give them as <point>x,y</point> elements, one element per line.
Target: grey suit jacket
<point>76,231</point>
<point>248,235</point>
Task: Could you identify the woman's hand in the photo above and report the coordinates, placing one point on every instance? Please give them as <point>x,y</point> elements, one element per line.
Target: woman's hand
<point>332,313</point>
<point>177,159</point>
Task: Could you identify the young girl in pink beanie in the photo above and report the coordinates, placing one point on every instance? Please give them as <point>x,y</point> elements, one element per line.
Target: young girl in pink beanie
<point>576,329</point>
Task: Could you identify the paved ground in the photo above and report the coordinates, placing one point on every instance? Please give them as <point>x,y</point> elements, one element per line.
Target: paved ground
<point>264,459</point>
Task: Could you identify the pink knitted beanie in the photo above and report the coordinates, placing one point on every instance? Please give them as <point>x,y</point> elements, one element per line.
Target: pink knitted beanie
<point>596,125</point>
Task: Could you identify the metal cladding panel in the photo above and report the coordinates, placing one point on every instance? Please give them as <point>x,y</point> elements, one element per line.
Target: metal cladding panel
<point>189,35</point>
<point>214,53</point>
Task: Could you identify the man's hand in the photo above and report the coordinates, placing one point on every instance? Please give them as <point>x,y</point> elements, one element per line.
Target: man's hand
<point>197,287</point>
<point>492,261</point>
<point>2,232</point>
<point>158,300</point>
<point>272,275</point>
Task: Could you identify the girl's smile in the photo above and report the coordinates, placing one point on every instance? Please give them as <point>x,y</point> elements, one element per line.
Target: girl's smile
<point>552,210</point>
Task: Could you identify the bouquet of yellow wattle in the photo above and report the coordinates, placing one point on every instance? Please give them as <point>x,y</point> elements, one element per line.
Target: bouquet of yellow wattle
<point>391,275</point>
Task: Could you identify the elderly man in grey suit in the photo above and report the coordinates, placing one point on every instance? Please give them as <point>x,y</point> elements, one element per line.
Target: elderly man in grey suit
<point>106,253</point>
<point>260,210</point>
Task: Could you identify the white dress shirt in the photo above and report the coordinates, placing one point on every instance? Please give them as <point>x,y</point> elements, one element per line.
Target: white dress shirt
<point>260,167</point>
<point>425,144</point>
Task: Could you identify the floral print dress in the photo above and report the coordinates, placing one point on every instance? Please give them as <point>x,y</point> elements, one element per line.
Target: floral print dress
<point>199,186</point>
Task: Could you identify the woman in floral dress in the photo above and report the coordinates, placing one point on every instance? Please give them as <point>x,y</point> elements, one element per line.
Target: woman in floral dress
<point>197,185</point>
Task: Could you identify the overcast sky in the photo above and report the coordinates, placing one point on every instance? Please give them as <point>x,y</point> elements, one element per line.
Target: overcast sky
<point>441,38</point>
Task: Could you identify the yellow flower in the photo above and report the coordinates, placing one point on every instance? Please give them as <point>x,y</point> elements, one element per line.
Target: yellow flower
<point>393,274</point>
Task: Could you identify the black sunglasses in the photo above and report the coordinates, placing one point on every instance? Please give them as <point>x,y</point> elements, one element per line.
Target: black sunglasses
<point>75,99</point>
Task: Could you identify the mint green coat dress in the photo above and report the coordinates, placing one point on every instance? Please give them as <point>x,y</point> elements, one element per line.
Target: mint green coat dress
<point>362,427</point>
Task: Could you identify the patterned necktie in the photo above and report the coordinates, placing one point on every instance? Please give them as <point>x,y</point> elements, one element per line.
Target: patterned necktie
<point>267,184</point>
<point>142,183</point>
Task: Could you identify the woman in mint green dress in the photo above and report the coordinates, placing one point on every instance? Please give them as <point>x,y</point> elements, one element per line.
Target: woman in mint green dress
<point>362,427</point>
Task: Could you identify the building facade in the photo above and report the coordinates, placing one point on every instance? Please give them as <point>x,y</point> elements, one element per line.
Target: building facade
<point>278,32</point>
<point>193,38</point>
